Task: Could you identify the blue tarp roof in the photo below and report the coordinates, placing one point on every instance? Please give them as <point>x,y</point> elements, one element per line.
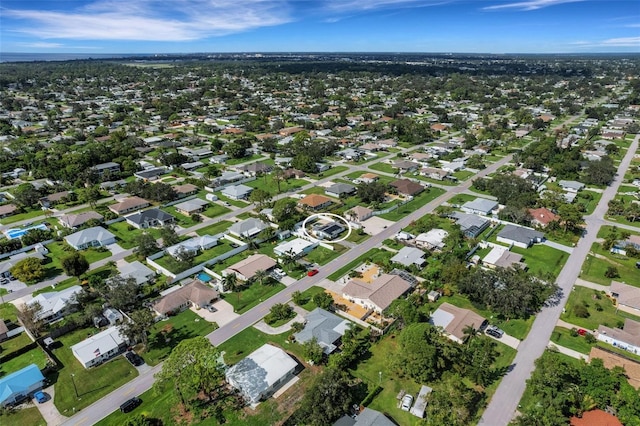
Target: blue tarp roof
<point>19,381</point>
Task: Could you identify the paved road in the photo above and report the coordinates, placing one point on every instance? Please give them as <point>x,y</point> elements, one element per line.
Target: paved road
<point>504,403</point>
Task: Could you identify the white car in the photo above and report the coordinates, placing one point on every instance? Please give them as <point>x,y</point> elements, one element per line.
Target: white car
<point>407,401</point>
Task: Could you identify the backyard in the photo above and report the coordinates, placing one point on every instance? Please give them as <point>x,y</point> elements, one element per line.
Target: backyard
<point>127,234</point>
<point>599,310</point>
<point>599,260</point>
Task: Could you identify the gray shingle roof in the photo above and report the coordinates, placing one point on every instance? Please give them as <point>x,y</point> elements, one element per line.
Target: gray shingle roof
<point>325,326</point>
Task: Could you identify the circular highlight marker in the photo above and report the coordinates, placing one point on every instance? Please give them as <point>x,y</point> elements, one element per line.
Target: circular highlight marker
<point>326,215</point>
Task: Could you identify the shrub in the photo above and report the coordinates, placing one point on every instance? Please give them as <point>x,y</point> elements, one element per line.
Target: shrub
<point>590,338</point>
<point>574,332</point>
<point>612,272</point>
<point>581,311</point>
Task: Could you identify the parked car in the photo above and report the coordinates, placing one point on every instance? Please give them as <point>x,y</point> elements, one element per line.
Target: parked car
<point>582,331</point>
<point>40,397</point>
<point>135,359</point>
<point>407,401</point>
<point>210,308</point>
<point>130,404</point>
<point>312,272</point>
<point>494,331</point>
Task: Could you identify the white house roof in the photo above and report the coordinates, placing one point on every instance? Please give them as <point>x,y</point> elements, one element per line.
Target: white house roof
<point>248,227</point>
<point>55,301</point>
<point>237,191</point>
<point>295,247</point>
<point>409,256</point>
<point>191,205</point>
<point>434,237</point>
<point>97,233</point>
<point>97,344</point>
<point>136,270</point>
<point>193,244</point>
<point>480,204</point>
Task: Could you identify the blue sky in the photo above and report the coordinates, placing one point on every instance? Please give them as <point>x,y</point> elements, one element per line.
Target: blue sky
<point>186,26</point>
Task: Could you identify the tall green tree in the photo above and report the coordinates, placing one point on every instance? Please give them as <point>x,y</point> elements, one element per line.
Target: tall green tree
<point>136,330</point>
<point>74,264</point>
<point>327,399</point>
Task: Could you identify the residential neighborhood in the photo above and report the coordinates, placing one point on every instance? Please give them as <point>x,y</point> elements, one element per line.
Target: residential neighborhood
<point>228,239</point>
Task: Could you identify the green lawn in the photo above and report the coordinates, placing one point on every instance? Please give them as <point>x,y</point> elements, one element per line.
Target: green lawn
<point>8,311</point>
<point>30,214</point>
<point>594,268</point>
<point>269,185</point>
<point>165,335</point>
<point>357,238</point>
<point>204,256</point>
<point>332,171</point>
<point>413,205</point>
<point>308,296</point>
<point>181,219</point>
<point>215,210</point>
<point>14,343</point>
<point>250,339</point>
<point>237,203</point>
<point>463,175</point>
<point>383,167</point>
<point>126,236</point>
<point>608,316</point>
<point>366,257</point>
<point>322,256</point>
<point>26,416</point>
<point>214,228</point>
<point>461,199</point>
<point>588,204</point>
<point>91,384</point>
<point>542,259</point>
<point>234,161</point>
<point>563,337</point>
<point>34,356</point>
<point>251,296</point>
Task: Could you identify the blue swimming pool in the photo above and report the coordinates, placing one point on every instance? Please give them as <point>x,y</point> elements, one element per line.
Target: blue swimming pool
<point>14,233</point>
<point>205,278</point>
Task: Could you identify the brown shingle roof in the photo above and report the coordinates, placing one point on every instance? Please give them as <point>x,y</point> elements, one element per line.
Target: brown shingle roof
<point>195,292</point>
<point>129,203</point>
<point>405,186</point>
<point>595,418</point>
<point>254,263</point>
<point>382,291</point>
<point>315,200</point>
<point>626,294</point>
<point>461,319</point>
<point>7,209</point>
<point>187,188</point>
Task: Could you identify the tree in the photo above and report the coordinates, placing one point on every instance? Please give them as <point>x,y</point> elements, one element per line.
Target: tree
<point>74,264</point>
<point>29,315</point>
<point>169,235</point>
<point>285,213</point>
<point>323,300</point>
<point>230,282</point>
<point>146,245</point>
<point>260,276</point>
<point>122,293</point>
<point>90,195</point>
<point>279,312</point>
<point>305,163</point>
<point>600,172</point>
<point>196,217</point>
<point>611,272</point>
<point>26,195</point>
<point>260,197</point>
<point>326,400</point>
<point>193,370</point>
<point>453,403</point>
<point>29,270</point>
<point>235,150</point>
<point>136,329</point>
<point>312,351</point>
<point>372,193</point>
<point>570,216</point>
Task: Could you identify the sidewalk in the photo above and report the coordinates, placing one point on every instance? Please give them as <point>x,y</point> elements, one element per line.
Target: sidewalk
<point>589,284</point>
<point>567,351</point>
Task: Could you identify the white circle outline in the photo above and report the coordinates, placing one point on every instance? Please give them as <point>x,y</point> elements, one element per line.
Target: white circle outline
<point>304,227</point>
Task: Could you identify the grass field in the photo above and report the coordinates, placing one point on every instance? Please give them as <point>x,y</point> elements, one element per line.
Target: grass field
<point>34,356</point>
<point>589,298</point>
<point>214,210</point>
<point>29,416</point>
<point>563,337</point>
<point>542,259</point>
<point>413,205</point>
<point>369,256</point>
<point>332,171</point>
<point>127,237</point>
<point>14,343</point>
<point>307,296</point>
<point>599,260</point>
<point>270,186</point>
<point>29,214</point>
<point>8,311</point>
<point>322,256</point>
<point>383,167</point>
<point>250,296</point>
<point>214,228</point>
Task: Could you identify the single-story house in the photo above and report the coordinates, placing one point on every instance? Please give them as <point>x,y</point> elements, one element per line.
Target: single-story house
<point>479,206</point>
<point>228,177</point>
<point>254,169</point>
<point>192,245</point>
<point>627,296</point>
<point>109,167</point>
<point>408,256</point>
<point>294,248</point>
<point>185,190</point>
<point>73,221</point>
<point>138,271</point>
<point>7,210</point>
<point>519,236</point>
<point>189,207</point>
<point>100,347</point>
<point>454,321</point>
<point>20,384</point>
<point>620,246</point>
<point>315,202</point>
<point>432,240</point>
<point>368,177</point>
<point>151,218</point>
<point>407,187</point>
<point>366,417</point>
<point>246,269</point>
<point>542,217</point>
<point>327,328</point>
<point>248,228</point>
<point>55,304</point>
<point>378,294</point>
<point>53,199</point>
<point>150,174</point>
<point>471,225</point>
<point>359,214</point>
<point>405,166</point>
<point>7,265</point>
<point>433,173</point>
<point>329,231</point>
<point>90,237</point>
<point>237,192</point>
<point>195,293</point>
<point>627,338</point>
<point>261,373</point>
<point>571,185</point>
<point>501,257</point>
<point>129,205</point>
<point>595,417</point>
<point>340,189</point>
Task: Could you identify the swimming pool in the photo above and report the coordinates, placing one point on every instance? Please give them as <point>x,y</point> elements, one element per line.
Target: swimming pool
<point>205,278</point>
<point>14,233</point>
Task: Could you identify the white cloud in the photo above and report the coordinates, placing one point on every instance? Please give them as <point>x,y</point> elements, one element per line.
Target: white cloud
<point>363,5</point>
<point>174,20</point>
<point>621,42</point>
<point>529,4</point>
<point>42,45</point>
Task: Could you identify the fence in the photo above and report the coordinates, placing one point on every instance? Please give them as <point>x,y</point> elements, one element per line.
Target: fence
<point>24,249</point>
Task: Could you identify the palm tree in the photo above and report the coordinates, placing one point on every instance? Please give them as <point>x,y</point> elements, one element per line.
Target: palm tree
<point>260,276</point>
<point>230,282</point>
<point>469,332</point>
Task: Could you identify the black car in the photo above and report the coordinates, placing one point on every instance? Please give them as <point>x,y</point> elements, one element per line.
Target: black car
<point>134,358</point>
<point>130,404</point>
<point>494,331</point>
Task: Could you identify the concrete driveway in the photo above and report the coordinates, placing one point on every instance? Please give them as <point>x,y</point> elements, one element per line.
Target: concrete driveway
<point>223,314</point>
<point>115,249</point>
<point>507,340</point>
<point>48,410</point>
<point>375,224</point>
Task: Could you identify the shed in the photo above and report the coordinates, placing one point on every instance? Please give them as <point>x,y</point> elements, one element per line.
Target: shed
<point>421,402</point>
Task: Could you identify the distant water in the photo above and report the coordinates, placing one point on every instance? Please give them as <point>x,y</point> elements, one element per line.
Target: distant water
<point>33,57</point>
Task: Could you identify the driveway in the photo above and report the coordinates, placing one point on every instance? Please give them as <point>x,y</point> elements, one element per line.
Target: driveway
<point>48,410</point>
<point>223,314</point>
<point>375,224</point>
<point>287,280</point>
<point>115,249</point>
<point>507,340</point>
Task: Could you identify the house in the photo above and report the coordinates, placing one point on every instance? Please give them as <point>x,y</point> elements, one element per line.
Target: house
<point>192,206</point>
<point>542,217</point>
<point>519,236</point>
<point>129,205</point>
<point>501,257</point>
<point>137,271</point>
<point>74,221</point>
<point>113,316</point>
<point>407,187</point>
<point>150,174</point>
<point>471,225</point>
<point>294,248</point>
<point>329,231</point>
<point>194,294</point>
<point>7,265</point>
<point>7,210</point>
<point>315,202</point>
<point>151,218</point>
<point>595,417</point>
<point>366,417</point>
<point>433,173</point>
<point>627,338</point>
<point>104,168</point>
<point>350,154</point>
<point>248,228</point>
<point>368,177</point>
<point>246,269</point>
<point>620,246</point>
<point>378,294</point>
<point>420,403</point>
<point>237,192</point>
<point>359,214</point>
<point>100,347</point>
<point>405,166</point>
<point>408,256</point>
<point>326,327</point>
<point>185,190</point>
<point>571,185</point>
<point>96,236</point>
<point>340,189</point>
<point>261,373</point>
<point>55,304</point>
<point>454,321</point>
<point>479,206</point>
<point>432,240</point>
<point>53,199</point>
<point>627,297</point>
<point>228,177</point>
<point>254,169</point>
<point>20,384</point>
<point>192,245</point>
